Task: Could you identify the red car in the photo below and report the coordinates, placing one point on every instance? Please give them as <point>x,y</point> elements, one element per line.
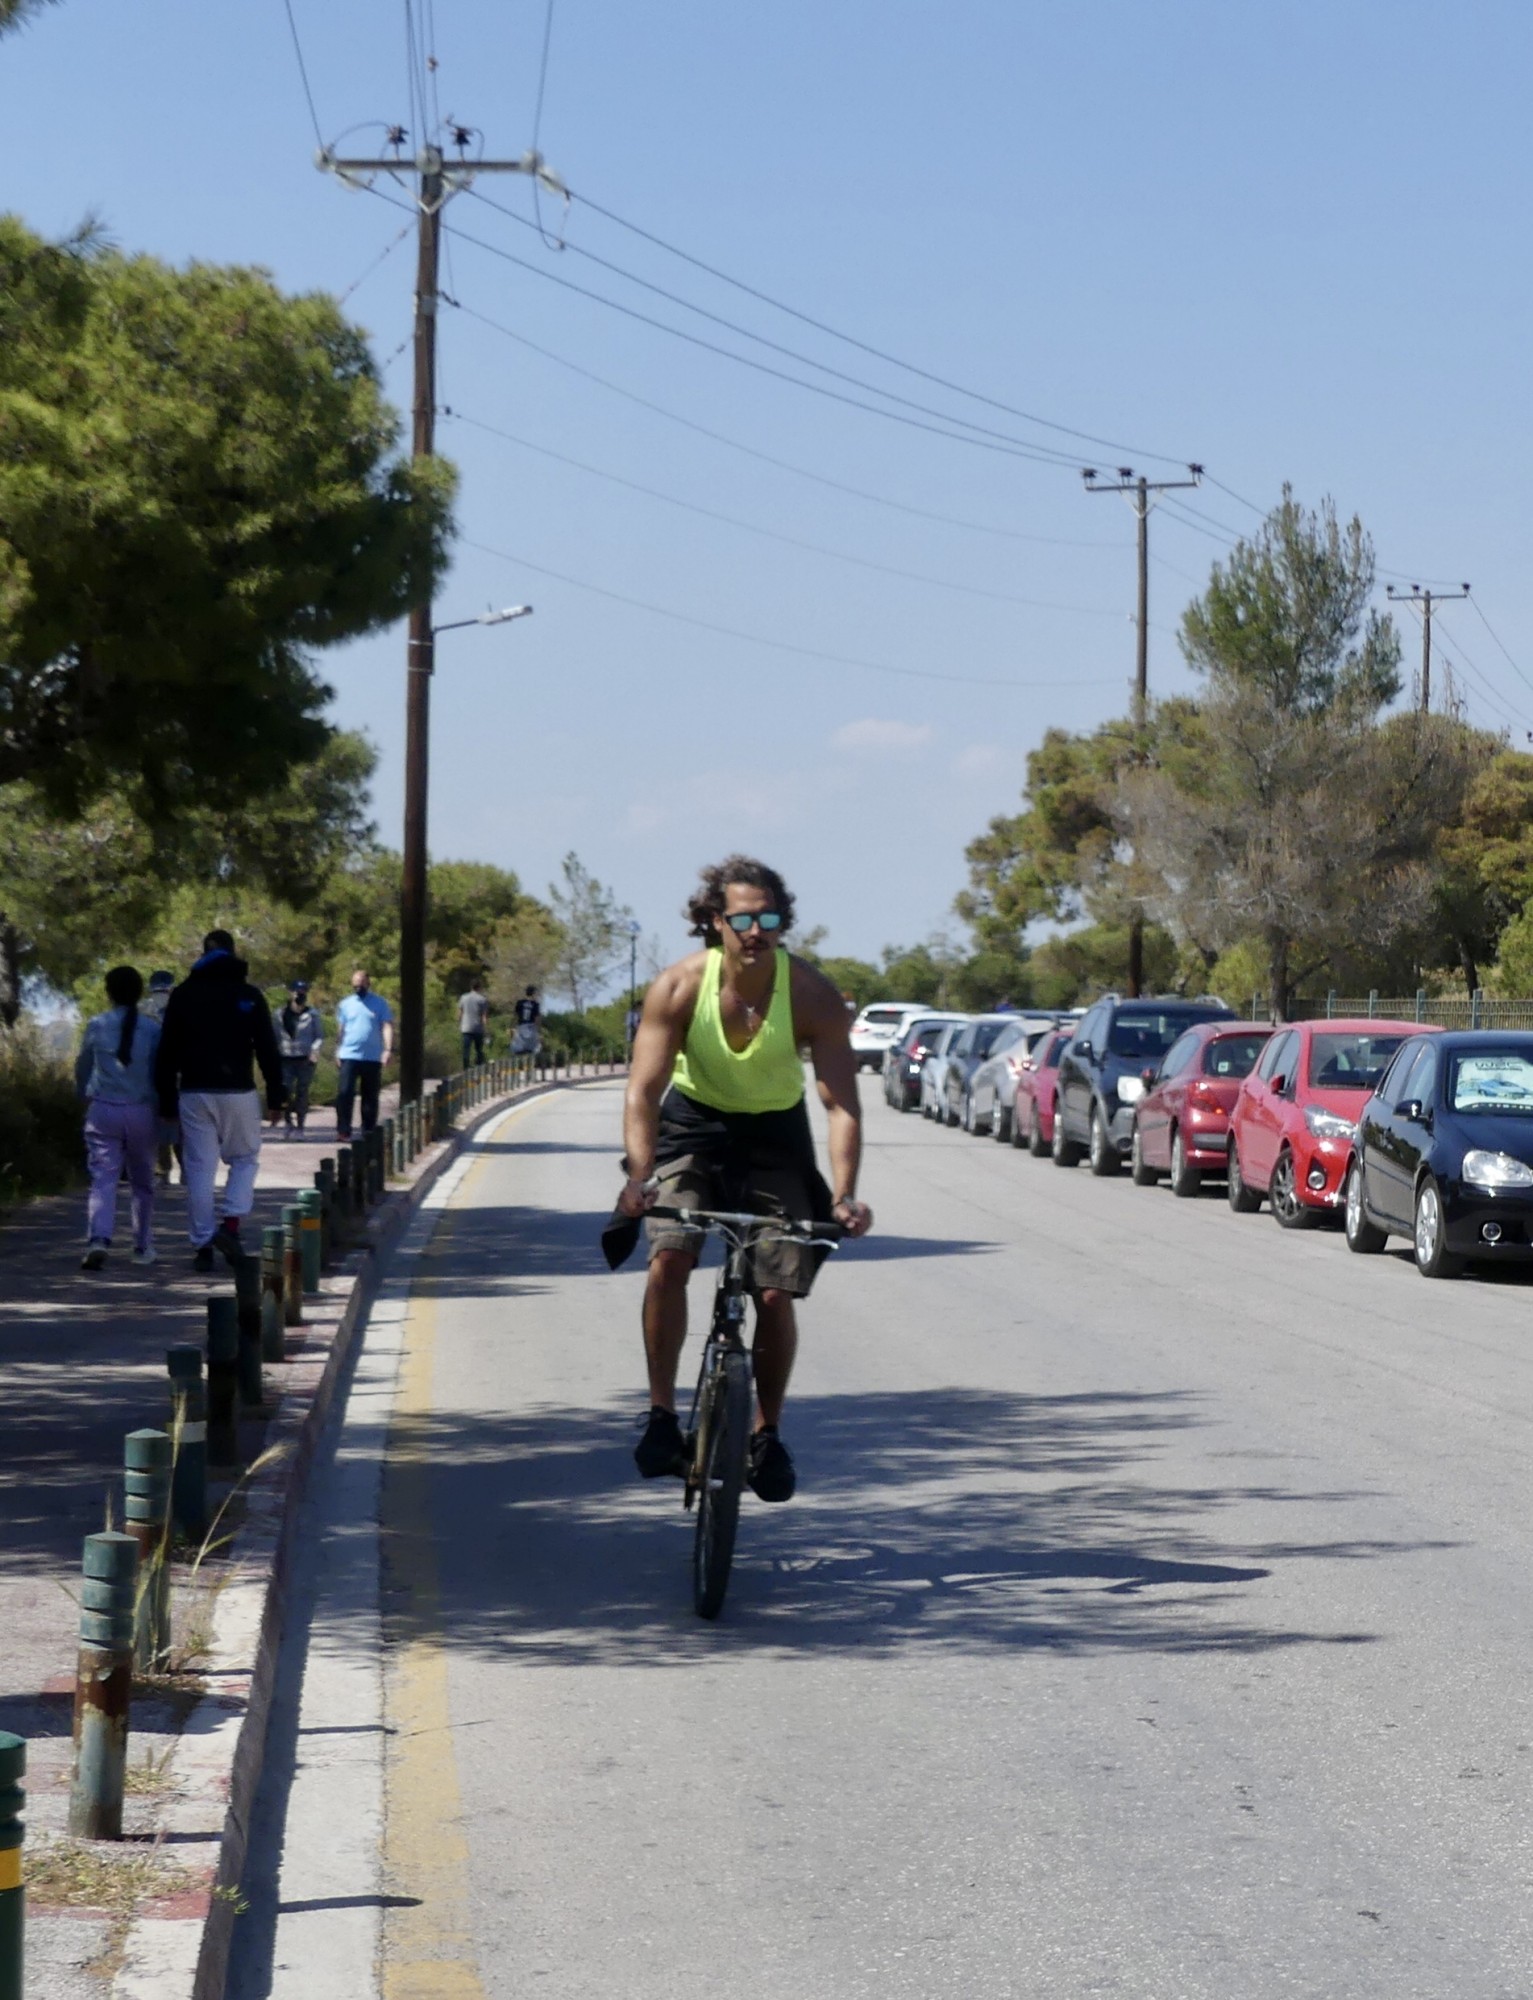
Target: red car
<point>1032,1117</point>
<point>1294,1125</point>
<point>1182,1123</point>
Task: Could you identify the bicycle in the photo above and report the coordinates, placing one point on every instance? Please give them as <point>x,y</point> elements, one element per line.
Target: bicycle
<point>718,1433</point>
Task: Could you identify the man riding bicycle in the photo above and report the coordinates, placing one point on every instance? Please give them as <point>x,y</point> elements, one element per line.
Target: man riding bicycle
<point>715,1115</point>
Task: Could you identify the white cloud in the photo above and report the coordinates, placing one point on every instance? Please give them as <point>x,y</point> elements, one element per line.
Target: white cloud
<point>881,735</point>
<point>978,760</point>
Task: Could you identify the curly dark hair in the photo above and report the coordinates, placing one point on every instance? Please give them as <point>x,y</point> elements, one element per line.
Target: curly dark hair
<point>707,901</point>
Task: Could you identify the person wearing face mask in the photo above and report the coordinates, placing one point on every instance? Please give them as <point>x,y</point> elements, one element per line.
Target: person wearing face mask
<point>364,1025</point>
<point>300,1037</point>
<point>114,1073</point>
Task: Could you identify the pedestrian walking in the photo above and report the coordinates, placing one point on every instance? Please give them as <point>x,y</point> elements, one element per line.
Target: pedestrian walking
<point>167,1146</point>
<point>114,1073</point>
<point>473,1013</point>
<point>217,1031</point>
<point>364,1026</point>
<point>526,1035</point>
<point>300,1037</point>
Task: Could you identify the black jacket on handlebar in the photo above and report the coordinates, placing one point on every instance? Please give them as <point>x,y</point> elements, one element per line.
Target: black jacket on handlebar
<point>732,1144</point>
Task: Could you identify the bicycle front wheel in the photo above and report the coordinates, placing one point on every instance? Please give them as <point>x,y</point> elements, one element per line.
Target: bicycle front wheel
<point>727,1443</point>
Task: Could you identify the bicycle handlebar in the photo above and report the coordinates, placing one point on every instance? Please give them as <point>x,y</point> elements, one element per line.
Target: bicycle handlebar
<point>785,1225</point>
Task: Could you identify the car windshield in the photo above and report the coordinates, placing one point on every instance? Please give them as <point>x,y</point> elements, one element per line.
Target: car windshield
<point>882,1017</point>
<point>923,1031</point>
<point>985,1035</point>
<point>1053,1050</point>
<point>1145,1037</point>
<point>1350,1062</point>
<point>1491,1080</point>
<point>1233,1055</point>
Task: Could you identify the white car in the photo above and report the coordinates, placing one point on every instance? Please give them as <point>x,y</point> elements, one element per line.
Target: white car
<point>933,1102</point>
<point>877,1026</point>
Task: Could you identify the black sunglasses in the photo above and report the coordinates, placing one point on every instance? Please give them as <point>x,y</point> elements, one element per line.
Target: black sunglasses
<point>741,921</point>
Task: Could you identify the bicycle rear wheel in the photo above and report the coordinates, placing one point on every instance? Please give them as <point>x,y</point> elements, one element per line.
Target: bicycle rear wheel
<point>726,1445</point>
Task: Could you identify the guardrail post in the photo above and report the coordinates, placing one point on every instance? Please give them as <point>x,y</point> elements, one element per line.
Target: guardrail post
<point>189,1437</point>
<point>13,1800</point>
<point>247,1310</point>
<point>223,1380</point>
<point>1373,1001</point>
<point>292,1264</point>
<point>273,1340</point>
<point>146,1516</point>
<point>103,1685</point>
<point>1421,1003</point>
<point>309,1227</point>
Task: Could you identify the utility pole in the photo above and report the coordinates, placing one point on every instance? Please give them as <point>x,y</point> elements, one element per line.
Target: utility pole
<point>1139,491</point>
<point>1424,600</point>
<point>438,179</point>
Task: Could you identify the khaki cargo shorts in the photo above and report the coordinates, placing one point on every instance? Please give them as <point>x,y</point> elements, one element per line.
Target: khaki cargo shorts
<point>780,1266</point>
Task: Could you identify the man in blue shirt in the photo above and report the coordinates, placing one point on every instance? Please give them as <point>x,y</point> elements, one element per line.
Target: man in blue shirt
<point>365,1042</point>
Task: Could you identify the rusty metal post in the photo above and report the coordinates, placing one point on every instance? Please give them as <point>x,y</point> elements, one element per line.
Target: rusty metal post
<point>223,1380</point>
<point>146,1516</point>
<point>292,1264</point>
<point>189,1440</point>
<point>247,1307</point>
<point>13,1800</point>
<point>273,1339</point>
<point>103,1684</point>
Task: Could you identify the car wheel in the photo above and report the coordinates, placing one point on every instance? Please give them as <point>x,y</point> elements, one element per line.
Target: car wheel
<point>1103,1154</point>
<point>949,1115</point>
<point>1288,1209</point>
<point>1244,1200</point>
<point>1363,1236</point>
<point>1138,1172</point>
<point>1064,1150</point>
<point>1000,1123</point>
<point>1037,1145</point>
<point>968,1120</point>
<point>1185,1180</point>
<point>1432,1257</point>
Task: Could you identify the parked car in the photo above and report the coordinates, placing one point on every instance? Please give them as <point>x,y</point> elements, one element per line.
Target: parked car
<point>1101,1073</point>
<point>1444,1153</point>
<point>1182,1123</point>
<point>1294,1125</point>
<point>934,1071</point>
<point>993,1086</point>
<point>878,1024</point>
<point>965,1054</point>
<point>1032,1113</point>
<point>905,1058</point>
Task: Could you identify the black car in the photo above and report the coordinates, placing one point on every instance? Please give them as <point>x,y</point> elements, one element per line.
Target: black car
<point>1445,1153</point>
<point>1101,1073</point>
<point>904,1062</point>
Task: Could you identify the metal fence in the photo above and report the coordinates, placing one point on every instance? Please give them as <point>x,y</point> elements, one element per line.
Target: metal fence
<point>1458,1010</point>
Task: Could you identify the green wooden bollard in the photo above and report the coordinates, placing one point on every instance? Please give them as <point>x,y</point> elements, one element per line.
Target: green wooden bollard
<point>292,1264</point>
<point>189,1441</point>
<point>340,1226</point>
<point>146,1516</point>
<point>247,1307</point>
<point>358,1178</point>
<point>13,1801</point>
<point>309,1237</point>
<point>273,1339</point>
<point>390,1129</point>
<point>103,1685</point>
<point>223,1380</point>
<point>380,1163</point>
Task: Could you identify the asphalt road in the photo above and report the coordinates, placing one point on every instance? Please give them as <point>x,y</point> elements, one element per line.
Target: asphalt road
<point>1153,1619</point>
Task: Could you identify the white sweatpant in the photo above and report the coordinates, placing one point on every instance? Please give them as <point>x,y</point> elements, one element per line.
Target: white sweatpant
<point>218,1125</point>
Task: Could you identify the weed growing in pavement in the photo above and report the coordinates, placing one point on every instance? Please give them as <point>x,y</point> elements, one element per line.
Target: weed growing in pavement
<point>152,1777</point>
<point>111,1876</point>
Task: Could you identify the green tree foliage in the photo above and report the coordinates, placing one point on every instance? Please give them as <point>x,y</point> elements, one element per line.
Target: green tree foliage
<point>198,488</point>
<point>593,928</point>
<point>14,12</point>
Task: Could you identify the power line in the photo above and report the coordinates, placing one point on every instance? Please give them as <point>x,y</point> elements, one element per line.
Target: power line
<point>1479,612</point>
<point>776,535</point>
<point>1045,453</point>
<point>863,346</point>
<point>775,645</point>
<point>387,251</point>
<point>303,71</point>
<point>537,116</point>
<point>766,457</point>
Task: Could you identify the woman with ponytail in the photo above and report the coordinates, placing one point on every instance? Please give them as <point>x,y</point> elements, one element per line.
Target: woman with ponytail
<point>114,1073</point>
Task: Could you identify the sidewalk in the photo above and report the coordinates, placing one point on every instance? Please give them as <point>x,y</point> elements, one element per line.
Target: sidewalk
<point>82,1363</point>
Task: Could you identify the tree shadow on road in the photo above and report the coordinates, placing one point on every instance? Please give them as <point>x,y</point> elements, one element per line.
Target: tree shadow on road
<point>962,1520</point>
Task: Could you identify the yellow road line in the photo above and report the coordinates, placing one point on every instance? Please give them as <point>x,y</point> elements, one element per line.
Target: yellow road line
<point>428,1947</point>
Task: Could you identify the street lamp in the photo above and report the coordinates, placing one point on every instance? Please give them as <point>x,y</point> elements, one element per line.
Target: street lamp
<point>412,886</point>
<point>633,970</point>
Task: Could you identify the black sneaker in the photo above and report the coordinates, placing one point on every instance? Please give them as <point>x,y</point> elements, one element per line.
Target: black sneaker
<point>226,1242</point>
<point>202,1257</point>
<point>771,1475</point>
<point>662,1451</point>
<point>95,1256</point>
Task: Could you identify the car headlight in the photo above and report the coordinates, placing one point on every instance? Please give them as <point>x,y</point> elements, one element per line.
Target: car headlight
<point>1496,1170</point>
<point>1328,1124</point>
<point>1130,1089</point>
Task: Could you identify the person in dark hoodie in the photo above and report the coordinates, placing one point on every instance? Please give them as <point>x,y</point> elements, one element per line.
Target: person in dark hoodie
<point>217,1030</point>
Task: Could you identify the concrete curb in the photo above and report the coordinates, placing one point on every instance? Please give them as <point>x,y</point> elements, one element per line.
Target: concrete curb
<point>175,1949</point>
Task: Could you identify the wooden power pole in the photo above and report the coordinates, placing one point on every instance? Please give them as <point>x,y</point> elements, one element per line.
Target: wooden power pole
<point>1424,600</point>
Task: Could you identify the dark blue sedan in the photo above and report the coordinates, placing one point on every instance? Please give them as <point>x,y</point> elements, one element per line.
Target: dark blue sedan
<point>1445,1153</point>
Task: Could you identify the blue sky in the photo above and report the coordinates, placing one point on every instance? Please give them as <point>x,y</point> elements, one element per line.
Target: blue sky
<point>1285,240</point>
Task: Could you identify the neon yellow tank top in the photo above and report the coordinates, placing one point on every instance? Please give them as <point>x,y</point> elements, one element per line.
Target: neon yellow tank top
<point>767,1076</point>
